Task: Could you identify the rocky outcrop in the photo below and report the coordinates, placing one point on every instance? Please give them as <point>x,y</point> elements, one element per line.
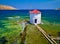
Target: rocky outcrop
<point>3,7</point>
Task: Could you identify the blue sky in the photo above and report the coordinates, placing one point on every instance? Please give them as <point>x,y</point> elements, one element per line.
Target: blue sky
<point>32,4</point>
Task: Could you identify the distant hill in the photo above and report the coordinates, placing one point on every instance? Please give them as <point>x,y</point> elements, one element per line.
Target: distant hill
<point>3,7</point>
<point>57,8</point>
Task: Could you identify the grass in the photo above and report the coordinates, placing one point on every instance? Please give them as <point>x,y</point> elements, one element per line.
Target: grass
<point>33,36</point>
<point>51,29</point>
<point>10,29</point>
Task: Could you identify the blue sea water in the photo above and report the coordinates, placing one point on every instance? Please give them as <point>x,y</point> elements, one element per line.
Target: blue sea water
<point>48,15</point>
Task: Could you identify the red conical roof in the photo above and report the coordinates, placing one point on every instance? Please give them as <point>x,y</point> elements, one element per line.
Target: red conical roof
<point>35,12</point>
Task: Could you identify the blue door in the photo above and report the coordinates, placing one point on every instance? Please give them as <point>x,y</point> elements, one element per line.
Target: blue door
<point>35,20</point>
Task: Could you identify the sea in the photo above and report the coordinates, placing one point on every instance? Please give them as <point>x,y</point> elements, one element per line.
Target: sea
<point>52,16</point>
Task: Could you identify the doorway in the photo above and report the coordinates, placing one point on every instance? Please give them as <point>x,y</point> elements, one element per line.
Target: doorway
<point>35,20</point>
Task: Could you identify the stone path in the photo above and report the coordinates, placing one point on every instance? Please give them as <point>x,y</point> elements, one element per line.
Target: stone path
<point>46,35</point>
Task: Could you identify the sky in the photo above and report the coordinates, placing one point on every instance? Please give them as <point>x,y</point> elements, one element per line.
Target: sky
<point>32,4</point>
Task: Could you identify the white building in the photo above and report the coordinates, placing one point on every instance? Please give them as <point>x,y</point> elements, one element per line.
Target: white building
<point>35,17</point>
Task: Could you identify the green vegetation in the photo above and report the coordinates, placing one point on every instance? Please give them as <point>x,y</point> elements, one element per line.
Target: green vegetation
<point>10,29</point>
<point>33,36</point>
<point>51,28</point>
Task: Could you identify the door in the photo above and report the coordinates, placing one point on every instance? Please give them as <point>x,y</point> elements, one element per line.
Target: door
<point>35,20</point>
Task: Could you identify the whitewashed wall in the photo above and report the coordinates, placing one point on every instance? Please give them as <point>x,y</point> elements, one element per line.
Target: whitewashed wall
<point>35,16</point>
